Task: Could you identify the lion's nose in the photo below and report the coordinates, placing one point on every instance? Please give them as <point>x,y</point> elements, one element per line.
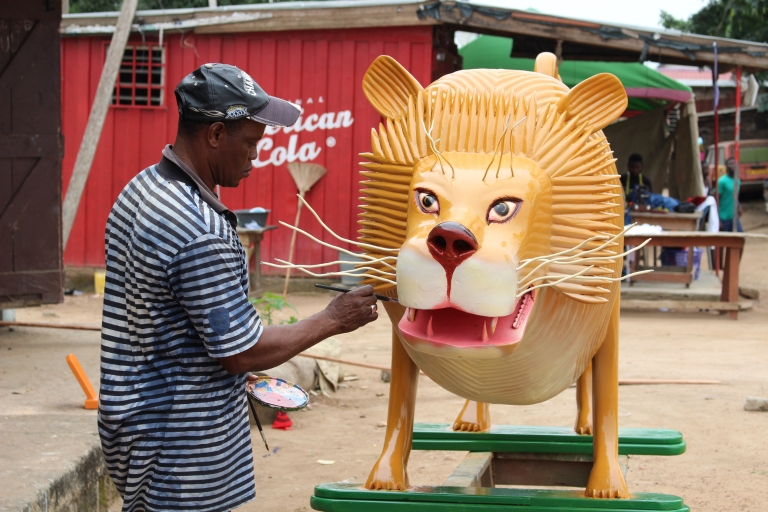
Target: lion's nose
<point>450,243</point>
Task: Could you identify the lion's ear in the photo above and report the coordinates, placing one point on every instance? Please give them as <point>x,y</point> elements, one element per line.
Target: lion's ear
<point>600,100</point>
<point>388,85</point>
<point>546,63</point>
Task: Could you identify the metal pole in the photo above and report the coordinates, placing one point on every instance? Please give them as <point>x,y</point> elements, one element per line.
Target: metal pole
<point>96,118</point>
<point>716,101</point>
<point>736,150</point>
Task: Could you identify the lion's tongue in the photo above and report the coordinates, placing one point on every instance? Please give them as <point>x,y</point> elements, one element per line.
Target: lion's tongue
<point>457,328</point>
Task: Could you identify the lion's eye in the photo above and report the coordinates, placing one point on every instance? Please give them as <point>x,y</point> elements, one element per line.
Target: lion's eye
<point>427,202</point>
<point>503,210</point>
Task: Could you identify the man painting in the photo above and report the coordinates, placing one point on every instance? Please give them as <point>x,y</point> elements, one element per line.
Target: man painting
<point>179,335</point>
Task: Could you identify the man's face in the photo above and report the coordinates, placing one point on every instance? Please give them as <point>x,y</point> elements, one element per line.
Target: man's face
<point>236,150</point>
<point>635,168</point>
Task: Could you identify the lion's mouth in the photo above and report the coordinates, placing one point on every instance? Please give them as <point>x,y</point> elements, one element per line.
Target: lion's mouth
<point>456,328</point>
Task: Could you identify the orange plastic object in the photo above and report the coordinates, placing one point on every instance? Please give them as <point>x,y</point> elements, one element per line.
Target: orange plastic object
<point>91,398</point>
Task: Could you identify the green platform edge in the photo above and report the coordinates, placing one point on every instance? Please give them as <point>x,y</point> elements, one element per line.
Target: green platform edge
<point>353,498</point>
<point>530,439</point>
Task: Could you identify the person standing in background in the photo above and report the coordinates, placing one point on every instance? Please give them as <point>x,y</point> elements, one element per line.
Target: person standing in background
<point>725,190</point>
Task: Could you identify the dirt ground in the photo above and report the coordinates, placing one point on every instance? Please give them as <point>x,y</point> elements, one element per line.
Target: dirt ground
<point>724,468</point>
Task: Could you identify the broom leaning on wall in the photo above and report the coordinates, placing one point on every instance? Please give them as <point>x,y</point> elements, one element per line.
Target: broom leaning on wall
<point>305,175</point>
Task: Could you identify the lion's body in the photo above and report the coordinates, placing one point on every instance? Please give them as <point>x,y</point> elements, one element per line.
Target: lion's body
<point>552,355</point>
<point>433,183</point>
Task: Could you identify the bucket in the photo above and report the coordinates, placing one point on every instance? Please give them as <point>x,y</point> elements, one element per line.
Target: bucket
<point>99,279</point>
<point>349,266</point>
<point>679,258</point>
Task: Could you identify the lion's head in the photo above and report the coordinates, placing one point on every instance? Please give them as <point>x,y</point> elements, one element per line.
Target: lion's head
<point>495,186</point>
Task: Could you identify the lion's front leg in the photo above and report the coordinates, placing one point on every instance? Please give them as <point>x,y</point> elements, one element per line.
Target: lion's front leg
<point>606,479</point>
<point>390,472</point>
<point>474,417</point>
<point>583,402</point>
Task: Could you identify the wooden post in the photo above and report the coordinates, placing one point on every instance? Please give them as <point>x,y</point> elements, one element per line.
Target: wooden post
<point>96,118</point>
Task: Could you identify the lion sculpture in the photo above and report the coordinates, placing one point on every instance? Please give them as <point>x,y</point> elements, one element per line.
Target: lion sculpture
<point>492,212</point>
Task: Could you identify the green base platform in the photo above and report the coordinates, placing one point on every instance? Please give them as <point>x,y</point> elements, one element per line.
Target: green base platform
<point>512,455</point>
<point>528,439</point>
<point>353,498</point>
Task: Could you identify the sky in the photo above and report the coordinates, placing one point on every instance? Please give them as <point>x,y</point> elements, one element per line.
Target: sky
<point>641,13</point>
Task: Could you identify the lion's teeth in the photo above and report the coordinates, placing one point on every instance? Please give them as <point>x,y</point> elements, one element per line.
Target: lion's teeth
<point>494,321</point>
<point>411,314</point>
<point>485,332</point>
<point>430,331</point>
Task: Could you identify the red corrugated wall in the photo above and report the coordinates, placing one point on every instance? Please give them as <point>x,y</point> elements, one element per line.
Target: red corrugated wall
<point>321,68</point>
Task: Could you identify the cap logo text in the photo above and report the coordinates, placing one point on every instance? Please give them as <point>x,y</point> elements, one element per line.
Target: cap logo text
<point>248,84</point>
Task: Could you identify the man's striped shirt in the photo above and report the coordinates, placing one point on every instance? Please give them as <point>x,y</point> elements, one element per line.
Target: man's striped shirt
<point>173,423</point>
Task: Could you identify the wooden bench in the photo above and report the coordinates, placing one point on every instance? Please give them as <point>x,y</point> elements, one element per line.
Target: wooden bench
<point>511,455</point>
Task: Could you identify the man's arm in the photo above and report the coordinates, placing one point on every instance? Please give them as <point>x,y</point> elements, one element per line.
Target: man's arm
<point>279,343</point>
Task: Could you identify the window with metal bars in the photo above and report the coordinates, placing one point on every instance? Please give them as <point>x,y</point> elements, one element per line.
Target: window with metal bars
<point>141,79</point>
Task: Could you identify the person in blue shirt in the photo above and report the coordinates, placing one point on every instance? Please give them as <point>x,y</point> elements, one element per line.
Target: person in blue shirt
<point>725,187</point>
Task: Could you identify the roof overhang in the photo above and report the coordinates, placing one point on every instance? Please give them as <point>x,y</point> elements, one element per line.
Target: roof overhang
<point>569,38</point>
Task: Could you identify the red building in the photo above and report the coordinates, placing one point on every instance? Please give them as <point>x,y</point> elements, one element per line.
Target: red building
<point>315,53</point>
<point>320,69</point>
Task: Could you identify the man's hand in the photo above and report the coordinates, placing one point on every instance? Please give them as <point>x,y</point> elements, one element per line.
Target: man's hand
<point>353,309</point>
<point>278,343</point>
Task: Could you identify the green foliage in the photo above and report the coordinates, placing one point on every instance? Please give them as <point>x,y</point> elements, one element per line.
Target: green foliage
<point>735,19</point>
<point>762,103</point>
<point>669,21</point>
<point>114,5</point>
<point>269,304</point>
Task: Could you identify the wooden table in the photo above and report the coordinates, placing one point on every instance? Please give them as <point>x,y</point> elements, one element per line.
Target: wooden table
<point>733,243</point>
<point>669,221</point>
<point>251,240</point>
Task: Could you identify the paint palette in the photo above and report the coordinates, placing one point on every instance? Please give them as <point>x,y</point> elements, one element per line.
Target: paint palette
<point>277,393</point>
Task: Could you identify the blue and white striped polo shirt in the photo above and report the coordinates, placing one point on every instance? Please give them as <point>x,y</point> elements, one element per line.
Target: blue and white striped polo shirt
<point>173,423</point>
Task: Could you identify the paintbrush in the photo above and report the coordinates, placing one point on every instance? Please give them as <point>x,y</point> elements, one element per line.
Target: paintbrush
<point>383,298</point>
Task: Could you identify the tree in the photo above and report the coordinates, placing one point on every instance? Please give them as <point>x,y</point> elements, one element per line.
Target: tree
<point>735,19</point>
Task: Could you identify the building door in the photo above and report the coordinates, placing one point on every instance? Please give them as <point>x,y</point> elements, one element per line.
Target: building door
<point>31,270</point>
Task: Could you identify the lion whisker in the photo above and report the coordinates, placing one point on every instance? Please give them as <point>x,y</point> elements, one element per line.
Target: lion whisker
<point>338,262</point>
<point>549,257</point>
<point>573,261</point>
<point>561,280</point>
<point>433,145</point>
<point>326,244</point>
<point>614,279</point>
<point>333,234</point>
<point>284,264</point>
<point>338,274</point>
<point>626,228</point>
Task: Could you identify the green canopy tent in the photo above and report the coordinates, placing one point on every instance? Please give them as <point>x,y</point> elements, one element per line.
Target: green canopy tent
<point>671,160</point>
<point>646,87</point>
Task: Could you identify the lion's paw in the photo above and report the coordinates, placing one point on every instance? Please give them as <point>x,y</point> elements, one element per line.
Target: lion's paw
<point>584,430</point>
<point>606,480</point>
<point>604,493</point>
<point>466,426</point>
<point>386,477</point>
<point>381,485</point>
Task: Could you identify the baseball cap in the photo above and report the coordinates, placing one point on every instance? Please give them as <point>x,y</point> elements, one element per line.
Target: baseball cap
<point>221,92</point>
